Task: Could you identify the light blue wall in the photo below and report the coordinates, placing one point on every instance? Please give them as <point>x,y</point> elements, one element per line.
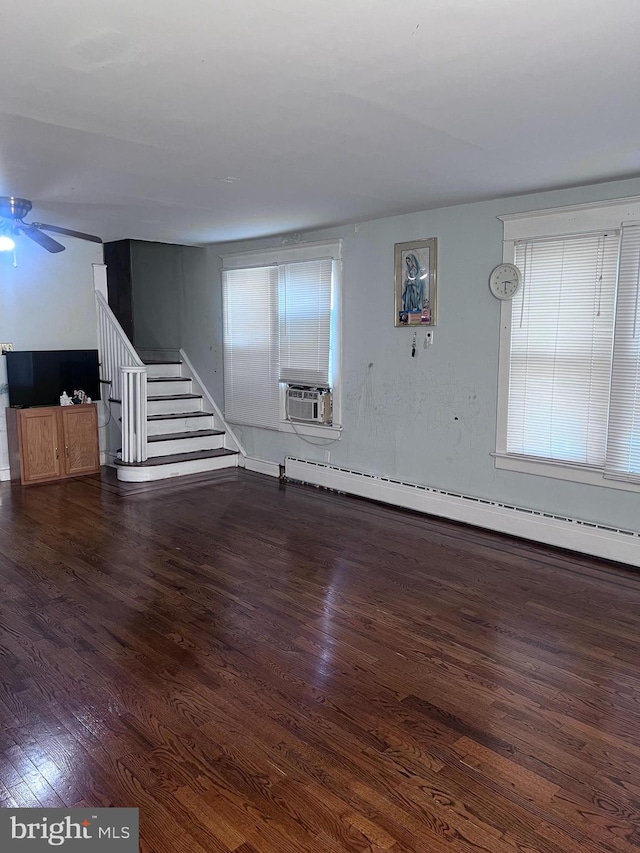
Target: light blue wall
<point>429,419</point>
<point>46,302</point>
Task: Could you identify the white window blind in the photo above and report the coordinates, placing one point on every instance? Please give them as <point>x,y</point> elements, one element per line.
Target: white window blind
<point>281,326</point>
<point>623,449</point>
<point>561,348</point>
<point>251,346</point>
<point>305,322</point>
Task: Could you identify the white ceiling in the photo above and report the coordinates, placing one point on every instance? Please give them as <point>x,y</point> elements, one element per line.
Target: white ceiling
<point>212,120</point>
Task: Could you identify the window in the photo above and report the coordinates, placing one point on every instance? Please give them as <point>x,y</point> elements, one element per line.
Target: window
<point>623,446</point>
<point>561,340</point>
<point>569,389</point>
<point>281,326</point>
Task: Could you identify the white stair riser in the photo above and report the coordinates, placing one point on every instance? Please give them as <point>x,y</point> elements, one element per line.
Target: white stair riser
<point>168,406</point>
<point>158,389</point>
<point>185,424</point>
<point>155,371</point>
<point>146,473</point>
<point>184,445</point>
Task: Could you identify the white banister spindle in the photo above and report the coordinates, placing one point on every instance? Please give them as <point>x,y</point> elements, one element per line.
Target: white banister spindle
<point>126,440</point>
<point>123,369</point>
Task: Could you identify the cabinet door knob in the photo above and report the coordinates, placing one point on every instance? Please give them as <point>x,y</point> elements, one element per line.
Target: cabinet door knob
<point>57,454</point>
<point>66,449</point>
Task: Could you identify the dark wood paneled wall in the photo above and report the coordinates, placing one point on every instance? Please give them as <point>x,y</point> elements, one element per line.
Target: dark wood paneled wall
<point>117,257</point>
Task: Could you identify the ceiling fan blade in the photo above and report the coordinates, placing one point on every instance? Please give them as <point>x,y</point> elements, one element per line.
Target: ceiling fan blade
<point>41,239</point>
<point>57,230</point>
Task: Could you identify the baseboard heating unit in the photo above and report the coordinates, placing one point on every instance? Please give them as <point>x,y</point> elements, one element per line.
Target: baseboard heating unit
<point>575,534</point>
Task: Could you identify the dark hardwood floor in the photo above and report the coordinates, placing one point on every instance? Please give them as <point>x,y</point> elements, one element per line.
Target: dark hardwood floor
<point>267,668</point>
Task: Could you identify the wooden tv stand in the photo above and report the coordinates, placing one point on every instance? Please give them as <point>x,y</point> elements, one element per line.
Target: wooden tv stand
<point>53,442</point>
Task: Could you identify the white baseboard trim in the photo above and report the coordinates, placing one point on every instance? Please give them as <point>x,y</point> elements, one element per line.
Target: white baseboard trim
<point>260,466</point>
<point>573,534</point>
<point>5,474</point>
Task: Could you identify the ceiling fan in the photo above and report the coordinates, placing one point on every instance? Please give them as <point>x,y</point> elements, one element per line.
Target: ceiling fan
<point>12,213</point>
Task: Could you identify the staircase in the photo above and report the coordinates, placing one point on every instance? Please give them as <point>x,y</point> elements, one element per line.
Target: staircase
<point>181,436</point>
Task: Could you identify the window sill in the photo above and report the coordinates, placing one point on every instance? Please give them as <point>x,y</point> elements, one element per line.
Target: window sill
<point>561,471</point>
<point>326,431</point>
<point>314,430</point>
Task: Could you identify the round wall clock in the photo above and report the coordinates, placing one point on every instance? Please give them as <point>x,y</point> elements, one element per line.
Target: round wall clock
<point>505,280</point>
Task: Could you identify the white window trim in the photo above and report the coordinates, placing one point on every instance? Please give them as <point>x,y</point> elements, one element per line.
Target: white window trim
<point>291,254</point>
<point>284,255</point>
<point>573,219</point>
<point>552,222</point>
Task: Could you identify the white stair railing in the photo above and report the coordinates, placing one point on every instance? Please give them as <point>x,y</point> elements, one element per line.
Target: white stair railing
<point>122,367</point>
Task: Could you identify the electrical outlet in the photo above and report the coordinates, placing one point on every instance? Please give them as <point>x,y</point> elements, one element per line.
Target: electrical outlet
<point>6,348</point>
<point>428,339</point>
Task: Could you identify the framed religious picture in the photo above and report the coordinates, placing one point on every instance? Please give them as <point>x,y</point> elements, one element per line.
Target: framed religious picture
<point>416,265</point>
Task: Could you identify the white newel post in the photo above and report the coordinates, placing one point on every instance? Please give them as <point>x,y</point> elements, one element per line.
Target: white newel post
<point>134,413</point>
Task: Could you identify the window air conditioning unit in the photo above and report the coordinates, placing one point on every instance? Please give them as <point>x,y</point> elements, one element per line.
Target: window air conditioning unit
<point>309,405</point>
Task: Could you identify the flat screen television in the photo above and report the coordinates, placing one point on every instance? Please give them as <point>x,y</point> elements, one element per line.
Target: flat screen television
<point>39,377</point>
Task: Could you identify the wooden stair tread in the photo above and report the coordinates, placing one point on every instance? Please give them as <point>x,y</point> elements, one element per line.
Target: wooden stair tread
<point>159,361</point>
<point>164,397</point>
<point>168,379</point>
<point>178,457</point>
<point>169,416</point>
<point>196,433</point>
<point>176,397</point>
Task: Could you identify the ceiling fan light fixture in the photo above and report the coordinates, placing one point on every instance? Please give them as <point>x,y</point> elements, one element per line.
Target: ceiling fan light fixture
<point>12,207</point>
